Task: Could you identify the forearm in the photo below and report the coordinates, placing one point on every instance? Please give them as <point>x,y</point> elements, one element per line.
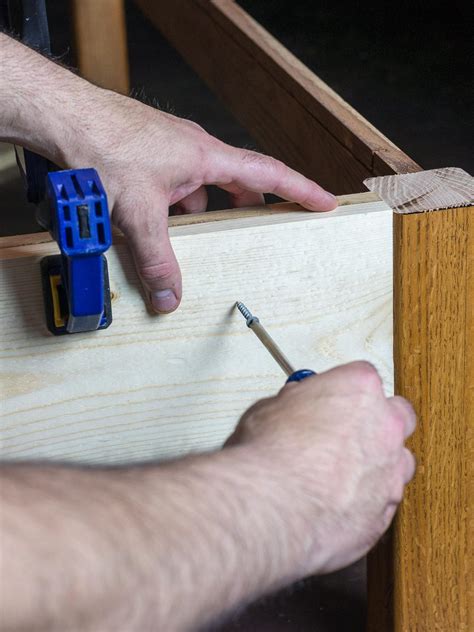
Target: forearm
<point>43,106</point>
<point>144,547</point>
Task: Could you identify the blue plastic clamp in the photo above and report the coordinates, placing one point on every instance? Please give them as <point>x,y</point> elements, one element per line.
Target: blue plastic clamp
<point>80,224</point>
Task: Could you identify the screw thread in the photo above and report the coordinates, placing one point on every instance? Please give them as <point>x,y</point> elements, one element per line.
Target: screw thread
<point>246,313</point>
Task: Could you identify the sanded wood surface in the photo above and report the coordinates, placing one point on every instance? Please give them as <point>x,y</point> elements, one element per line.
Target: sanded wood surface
<point>290,112</point>
<point>159,386</point>
<point>421,577</point>
<point>101,43</point>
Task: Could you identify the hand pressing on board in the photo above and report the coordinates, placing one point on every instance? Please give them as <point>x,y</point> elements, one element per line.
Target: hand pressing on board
<point>307,483</point>
<point>147,160</point>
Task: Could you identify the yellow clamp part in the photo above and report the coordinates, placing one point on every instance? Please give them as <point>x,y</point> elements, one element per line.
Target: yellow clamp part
<point>55,281</point>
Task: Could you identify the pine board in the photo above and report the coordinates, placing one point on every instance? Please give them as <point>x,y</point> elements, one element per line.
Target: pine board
<point>155,387</point>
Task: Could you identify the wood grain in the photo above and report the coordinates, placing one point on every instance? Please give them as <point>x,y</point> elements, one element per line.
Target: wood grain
<point>203,218</point>
<point>290,112</point>
<point>101,43</point>
<point>160,386</point>
<point>449,187</point>
<point>421,577</point>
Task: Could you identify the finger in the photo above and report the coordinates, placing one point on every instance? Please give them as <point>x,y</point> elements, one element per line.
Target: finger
<point>195,202</point>
<point>405,411</point>
<point>252,171</point>
<point>355,377</point>
<point>154,257</point>
<point>402,474</point>
<point>388,515</point>
<point>408,465</point>
<point>240,197</point>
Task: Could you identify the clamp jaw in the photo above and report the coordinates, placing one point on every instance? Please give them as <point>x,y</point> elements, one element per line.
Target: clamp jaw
<point>75,283</point>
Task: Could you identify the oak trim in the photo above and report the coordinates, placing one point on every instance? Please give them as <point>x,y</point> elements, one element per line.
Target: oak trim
<point>421,575</point>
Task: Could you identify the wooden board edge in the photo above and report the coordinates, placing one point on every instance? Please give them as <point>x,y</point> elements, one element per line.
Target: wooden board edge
<point>30,239</point>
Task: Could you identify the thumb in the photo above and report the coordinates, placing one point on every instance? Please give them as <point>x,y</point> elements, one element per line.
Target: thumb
<point>156,263</point>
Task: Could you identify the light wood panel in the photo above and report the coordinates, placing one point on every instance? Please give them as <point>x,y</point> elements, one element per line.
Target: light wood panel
<point>290,112</point>
<point>421,576</point>
<point>159,386</point>
<point>101,43</point>
<point>204,218</point>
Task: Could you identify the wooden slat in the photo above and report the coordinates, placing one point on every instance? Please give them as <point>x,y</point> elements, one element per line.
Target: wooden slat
<point>290,112</point>
<point>101,43</point>
<point>201,218</point>
<point>160,386</point>
<point>422,576</point>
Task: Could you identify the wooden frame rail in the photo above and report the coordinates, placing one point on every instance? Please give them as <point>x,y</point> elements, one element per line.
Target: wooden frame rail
<point>290,112</point>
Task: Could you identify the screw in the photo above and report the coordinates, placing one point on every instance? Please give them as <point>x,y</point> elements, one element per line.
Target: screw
<point>246,313</point>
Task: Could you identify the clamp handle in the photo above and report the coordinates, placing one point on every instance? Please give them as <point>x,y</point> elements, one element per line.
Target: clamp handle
<point>80,224</point>
<point>300,375</point>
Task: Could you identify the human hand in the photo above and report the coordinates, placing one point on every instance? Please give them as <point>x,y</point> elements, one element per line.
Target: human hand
<point>336,443</point>
<point>149,160</point>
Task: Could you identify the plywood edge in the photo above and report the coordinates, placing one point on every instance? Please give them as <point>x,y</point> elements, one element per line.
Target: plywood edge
<point>282,209</point>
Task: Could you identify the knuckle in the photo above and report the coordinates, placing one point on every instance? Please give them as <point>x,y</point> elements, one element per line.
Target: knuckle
<point>262,160</point>
<point>259,407</point>
<point>398,491</point>
<point>277,168</point>
<point>366,375</point>
<point>122,221</point>
<point>193,125</point>
<point>253,420</point>
<point>402,414</point>
<point>396,423</point>
<point>408,405</point>
<point>403,405</point>
<point>387,517</point>
<point>410,464</point>
<point>275,164</point>
<point>160,270</point>
<point>250,156</point>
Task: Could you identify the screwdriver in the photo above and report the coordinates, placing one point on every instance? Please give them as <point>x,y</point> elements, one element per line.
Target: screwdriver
<point>254,324</point>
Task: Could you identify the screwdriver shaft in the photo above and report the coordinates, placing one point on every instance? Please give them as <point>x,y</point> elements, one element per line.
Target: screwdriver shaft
<point>254,324</point>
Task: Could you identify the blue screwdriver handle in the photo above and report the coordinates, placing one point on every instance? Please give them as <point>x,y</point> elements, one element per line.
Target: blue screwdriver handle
<point>300,375</point>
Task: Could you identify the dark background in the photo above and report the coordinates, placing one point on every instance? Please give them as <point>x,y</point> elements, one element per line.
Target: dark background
<point>406,67</point>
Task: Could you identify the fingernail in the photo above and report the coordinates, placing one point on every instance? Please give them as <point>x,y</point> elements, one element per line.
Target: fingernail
<point>164,300</point>
<point>332,197</point>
